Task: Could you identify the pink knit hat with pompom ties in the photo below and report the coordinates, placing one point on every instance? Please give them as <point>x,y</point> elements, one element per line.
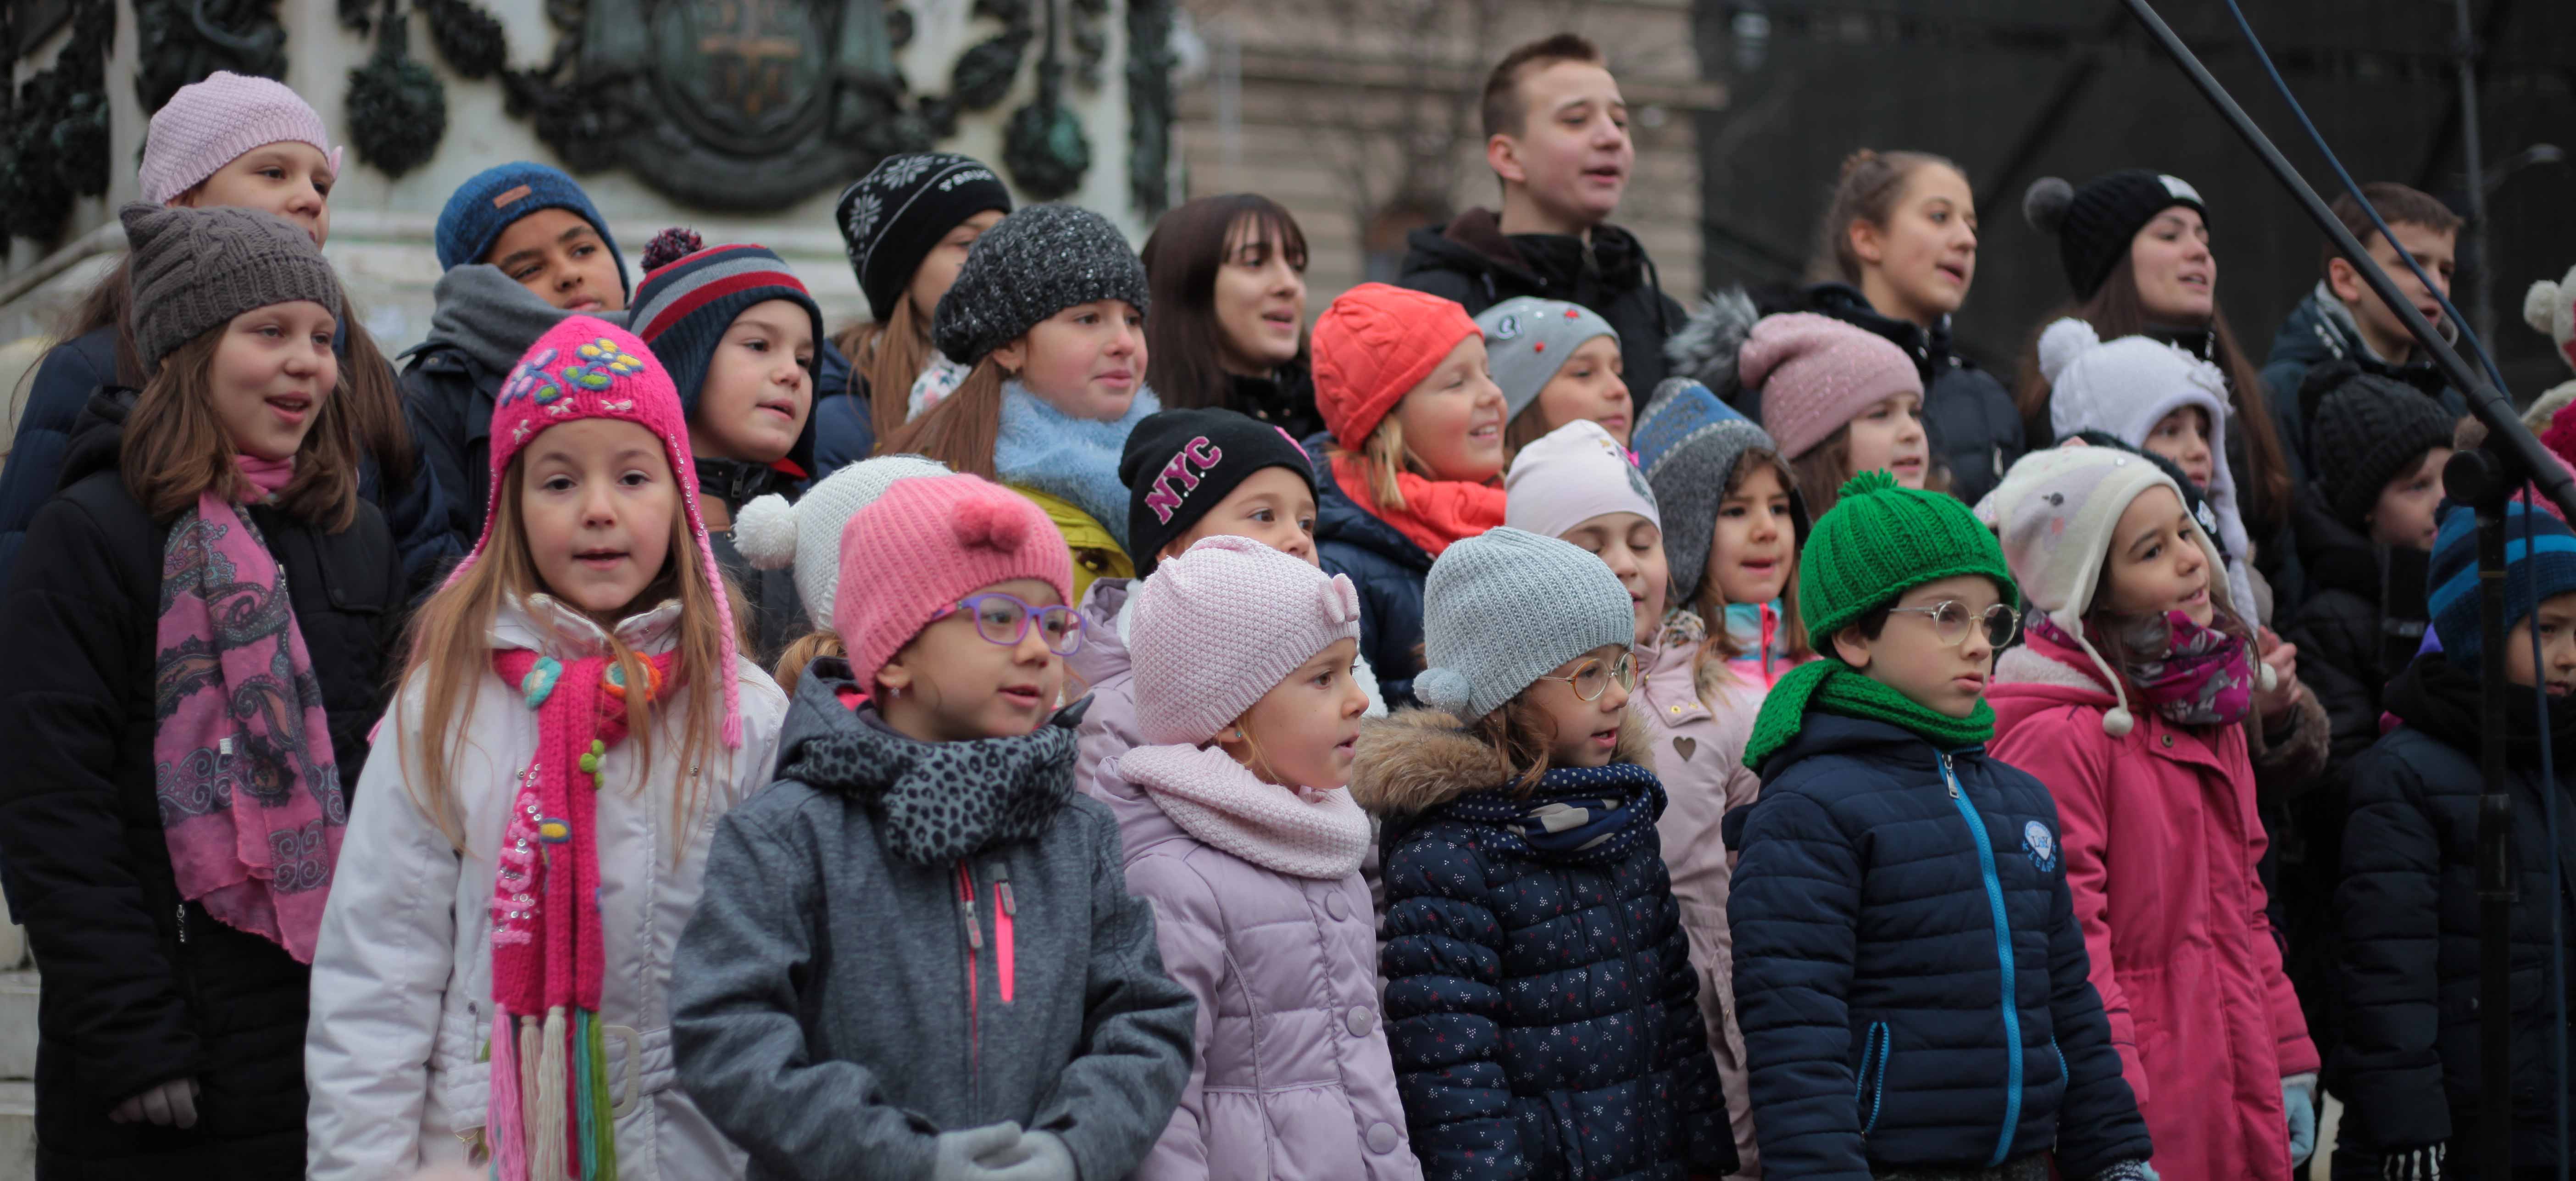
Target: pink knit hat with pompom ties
<point>949,536</point>
<point>587,367</point>
<point>1817,373</point>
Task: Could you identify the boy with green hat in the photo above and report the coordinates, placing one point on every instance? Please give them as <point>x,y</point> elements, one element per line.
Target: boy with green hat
<point>1913,984</point>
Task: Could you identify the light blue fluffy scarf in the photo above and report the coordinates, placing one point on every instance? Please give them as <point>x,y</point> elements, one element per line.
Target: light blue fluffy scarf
<point>1075,459</point>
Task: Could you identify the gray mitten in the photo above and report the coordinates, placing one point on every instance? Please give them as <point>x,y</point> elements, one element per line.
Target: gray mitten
<point>2127,1170</point>
<point>1040,1156</point>
<point>2413,1164</point>
<point>961,1155</point>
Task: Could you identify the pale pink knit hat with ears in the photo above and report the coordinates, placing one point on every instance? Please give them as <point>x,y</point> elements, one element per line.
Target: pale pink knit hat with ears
<point>209,124</point>
<point>1219,627</point>
<point>930,541</point>
<point>1817,373</point>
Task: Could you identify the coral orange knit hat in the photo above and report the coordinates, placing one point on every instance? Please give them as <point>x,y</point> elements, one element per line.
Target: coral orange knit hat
<point>1372,346</point>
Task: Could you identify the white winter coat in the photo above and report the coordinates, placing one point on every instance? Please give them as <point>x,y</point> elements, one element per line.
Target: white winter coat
<point>402,979</point>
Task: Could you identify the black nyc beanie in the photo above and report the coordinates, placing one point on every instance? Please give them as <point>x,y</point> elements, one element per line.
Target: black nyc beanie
<point>2368,430</point>
<point>1179,463</point>
<point>891,217</point>
<point>2094,224</point>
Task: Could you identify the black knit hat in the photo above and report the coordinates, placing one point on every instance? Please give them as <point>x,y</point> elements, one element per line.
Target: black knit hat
<point>1035,263</point>
<point>1179,463</point>
<point>2094,224</point>
<point>892,217</point>
<point>2368,430</point>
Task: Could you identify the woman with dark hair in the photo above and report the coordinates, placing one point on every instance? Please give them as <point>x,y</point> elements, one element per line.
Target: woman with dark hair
<point>1228,275</point>
<point>2136,249</point>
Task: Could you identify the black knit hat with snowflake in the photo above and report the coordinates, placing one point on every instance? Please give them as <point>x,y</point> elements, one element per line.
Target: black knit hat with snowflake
<point>891,217</point>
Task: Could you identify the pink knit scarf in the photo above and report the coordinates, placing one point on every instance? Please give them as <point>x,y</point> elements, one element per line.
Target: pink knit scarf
<point>1302,832</point>
<point>549,1106</point>
<point>242,765</point>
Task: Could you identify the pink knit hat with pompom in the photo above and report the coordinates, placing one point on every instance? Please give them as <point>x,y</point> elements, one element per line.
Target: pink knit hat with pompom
<point>931,540</point>
<point>587,367</point>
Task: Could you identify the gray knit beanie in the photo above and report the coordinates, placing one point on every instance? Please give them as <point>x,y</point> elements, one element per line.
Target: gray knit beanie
<point>1029,266</point>
<point>1504,608</point>
<point>1688,442</point>
<point>1527,339</point>
<point>196,269</point>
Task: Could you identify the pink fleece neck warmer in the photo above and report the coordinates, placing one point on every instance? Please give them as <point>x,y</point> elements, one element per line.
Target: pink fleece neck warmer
<point>1302,832</point>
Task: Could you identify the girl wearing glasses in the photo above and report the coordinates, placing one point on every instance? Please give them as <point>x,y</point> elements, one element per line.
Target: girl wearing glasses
<point>2128,702</point>
<point>1909,965</point>
<point>1540,1001</point>
<point>917,956</point>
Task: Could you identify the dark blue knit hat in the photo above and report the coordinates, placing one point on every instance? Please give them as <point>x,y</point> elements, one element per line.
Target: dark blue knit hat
<point>2540,568</point>
<point>481,208</point>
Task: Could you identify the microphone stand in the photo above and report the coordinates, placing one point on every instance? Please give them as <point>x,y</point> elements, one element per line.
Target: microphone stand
<point>2483,479</point>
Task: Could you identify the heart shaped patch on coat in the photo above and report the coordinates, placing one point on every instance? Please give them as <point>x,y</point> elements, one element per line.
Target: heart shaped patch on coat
<point>1687,747</point>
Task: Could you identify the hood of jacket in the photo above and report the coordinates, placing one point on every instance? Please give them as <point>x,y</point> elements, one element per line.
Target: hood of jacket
<point>1339,517</point>
<point>98,435</point>
<point>1419,759</point>
<point>484,313</point>
<point>737,482</point>
<point>1549,265</point>
<point>2322,329</point>
<point>936,801</point>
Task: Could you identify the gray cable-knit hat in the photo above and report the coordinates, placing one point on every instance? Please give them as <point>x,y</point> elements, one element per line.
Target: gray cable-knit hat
<point>1688,442</point>
<point>1029,266</point>
<point>196,269</point>
<point>1504,608</point>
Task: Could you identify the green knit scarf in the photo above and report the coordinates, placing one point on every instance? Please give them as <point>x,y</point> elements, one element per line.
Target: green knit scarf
<point>1836,688</point>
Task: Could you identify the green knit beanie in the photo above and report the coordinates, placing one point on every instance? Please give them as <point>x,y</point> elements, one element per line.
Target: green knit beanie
<point>1883,539</point>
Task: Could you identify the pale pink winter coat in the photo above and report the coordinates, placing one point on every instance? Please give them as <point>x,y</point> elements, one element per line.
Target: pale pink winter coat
<point>1292,1080</point>
<point>2161,840</point>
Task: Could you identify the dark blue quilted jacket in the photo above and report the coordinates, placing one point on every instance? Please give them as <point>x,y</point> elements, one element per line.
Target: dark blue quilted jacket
<point>843,432</point>
<point>1387,568</point>
<point>1543,1015</point>
<point>1885,895</point>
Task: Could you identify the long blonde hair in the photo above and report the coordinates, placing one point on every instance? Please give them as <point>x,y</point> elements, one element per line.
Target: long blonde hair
<point>891,354</point>
<point>450,654</point>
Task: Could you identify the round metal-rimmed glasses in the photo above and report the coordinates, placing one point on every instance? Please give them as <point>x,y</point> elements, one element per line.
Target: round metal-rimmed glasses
<point>1951,620</point>
<point>1592,678</point>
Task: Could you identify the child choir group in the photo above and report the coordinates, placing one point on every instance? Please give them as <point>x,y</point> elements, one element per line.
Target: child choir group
<point>1082,723</point>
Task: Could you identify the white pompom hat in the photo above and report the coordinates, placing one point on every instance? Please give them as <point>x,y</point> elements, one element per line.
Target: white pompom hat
<point>774,534</point>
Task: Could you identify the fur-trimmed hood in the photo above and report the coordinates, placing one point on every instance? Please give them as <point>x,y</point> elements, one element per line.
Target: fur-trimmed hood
<point>1710,339</point>
<point>1420,759</point>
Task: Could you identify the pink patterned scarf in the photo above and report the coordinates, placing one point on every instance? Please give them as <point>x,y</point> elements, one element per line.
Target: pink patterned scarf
<point>242,765</point>
<point>2190,674</point>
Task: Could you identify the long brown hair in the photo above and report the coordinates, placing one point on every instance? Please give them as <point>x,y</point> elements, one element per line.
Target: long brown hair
<point>174,448</point>
<point>2116,311</point>
<point>1711,667</point>
<point>891,355</point>
<point>1866,190</point>
<point>962,429</point>
<point>451,653</point>
<point>1183,340</point>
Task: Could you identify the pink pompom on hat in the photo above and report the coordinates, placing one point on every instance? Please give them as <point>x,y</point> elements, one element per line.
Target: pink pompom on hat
<point>1817,373</point>
<point>946,537</point>
<point>209,124</point>
<point>587,367</point>
<point>1219,627</point>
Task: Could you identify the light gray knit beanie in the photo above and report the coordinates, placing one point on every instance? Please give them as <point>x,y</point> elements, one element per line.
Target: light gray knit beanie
<point>195,269</point>
<point>1504,608</point>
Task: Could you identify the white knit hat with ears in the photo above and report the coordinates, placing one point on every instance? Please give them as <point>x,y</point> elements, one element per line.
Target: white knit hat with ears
<point>2127,386</point>
<point>774,534</point>
<point>2055,513</point>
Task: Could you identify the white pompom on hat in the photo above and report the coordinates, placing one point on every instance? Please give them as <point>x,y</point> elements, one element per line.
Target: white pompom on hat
<point>774,534</point>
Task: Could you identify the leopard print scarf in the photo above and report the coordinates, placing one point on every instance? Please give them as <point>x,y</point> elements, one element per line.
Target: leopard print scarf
<point>937,801</point>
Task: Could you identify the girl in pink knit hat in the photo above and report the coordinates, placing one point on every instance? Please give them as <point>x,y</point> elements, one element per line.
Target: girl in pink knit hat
<point>1240,830</point>
<point>917,956</point>
<point>1840,401</point>
<point>493,977</point>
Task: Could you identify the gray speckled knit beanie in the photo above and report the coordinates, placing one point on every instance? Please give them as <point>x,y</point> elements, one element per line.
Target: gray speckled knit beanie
<point>1502,609</point>
<point>1029,266</point>
<point>196,269</point>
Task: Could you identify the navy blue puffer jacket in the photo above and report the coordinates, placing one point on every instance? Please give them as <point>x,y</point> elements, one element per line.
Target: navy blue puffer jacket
<point>1387,568</point>
<point>1543,1013</point>
<point>1910,976</point>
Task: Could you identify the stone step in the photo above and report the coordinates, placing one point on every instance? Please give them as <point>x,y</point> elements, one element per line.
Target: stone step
<point>18,1129</point>
<point>17,1026</point>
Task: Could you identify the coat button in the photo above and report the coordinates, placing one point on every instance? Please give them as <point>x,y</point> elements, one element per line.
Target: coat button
<point>1334,906</point>
<point>1382,1138</point>
<point>1360,1020</point>
<point>2168,742</point>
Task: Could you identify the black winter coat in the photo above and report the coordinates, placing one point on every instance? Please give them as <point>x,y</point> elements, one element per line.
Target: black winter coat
<point>2320,333</point>
<point>1387,568</point>
<point>1543,1014</point>
<point>448,399</point>
<point>2408,1067</point>
<point>843,432</point>
<point>1975,429</point>
<point>139,987</point>
<point>1285,399</point>
<point>1911,979</point>
<point>1472,261</point>
<point>768,609</point>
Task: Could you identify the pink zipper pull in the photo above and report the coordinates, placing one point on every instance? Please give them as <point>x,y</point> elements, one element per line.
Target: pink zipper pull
<point>1005,960</point>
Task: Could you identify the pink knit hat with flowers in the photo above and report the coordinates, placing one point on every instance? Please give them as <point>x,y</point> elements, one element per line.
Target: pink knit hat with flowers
<point>1218,627</point>
<point>587,367</point>
<point>1817,373</point>
<point>209,124</point>
<point>942,538</point>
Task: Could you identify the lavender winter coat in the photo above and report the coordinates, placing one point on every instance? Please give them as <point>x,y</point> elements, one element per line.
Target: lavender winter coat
<point>1292,1080</point>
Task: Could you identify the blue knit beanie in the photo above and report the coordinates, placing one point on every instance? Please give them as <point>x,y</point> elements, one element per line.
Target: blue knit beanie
<point>2535,570</point>
<point>481,208</point>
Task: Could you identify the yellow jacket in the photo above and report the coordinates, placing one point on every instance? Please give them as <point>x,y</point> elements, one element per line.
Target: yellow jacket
<point>1096,554</point>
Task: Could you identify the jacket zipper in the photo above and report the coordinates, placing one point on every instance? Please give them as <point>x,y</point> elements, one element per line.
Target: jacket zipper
<point>183,922</point>
<point>2003,956</point>
<point>974,943</point>
<point>1004,962</point>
